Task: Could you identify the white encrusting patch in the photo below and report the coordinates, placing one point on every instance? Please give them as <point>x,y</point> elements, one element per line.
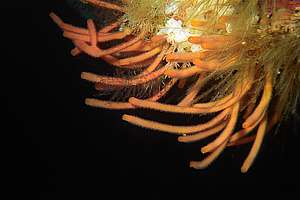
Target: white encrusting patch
<point>176,33</point>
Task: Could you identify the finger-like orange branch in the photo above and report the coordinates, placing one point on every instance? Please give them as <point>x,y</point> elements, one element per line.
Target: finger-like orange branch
<point>224,136</point>
<point>209,159</point>
<point>188,99</point>
<point>104,4</point>
<point>173,128</point>
<point>135,59</point>
<point>183,73</point>
<point>256,146</point>
<point>263,104</point>
<point>125,105</point>
<point>242,133</point>
<point>92,32</point>
<point>203,134</point>
<point>99,38</point>
<point>67,27</point>
<point>122,81</point>
<point>186,57</point>
<point>242,141</point>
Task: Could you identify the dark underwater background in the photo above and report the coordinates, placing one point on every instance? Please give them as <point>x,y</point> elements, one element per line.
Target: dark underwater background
<point>60,148</point>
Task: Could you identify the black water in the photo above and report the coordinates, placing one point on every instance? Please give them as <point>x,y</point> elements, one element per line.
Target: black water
<point>60,148</point>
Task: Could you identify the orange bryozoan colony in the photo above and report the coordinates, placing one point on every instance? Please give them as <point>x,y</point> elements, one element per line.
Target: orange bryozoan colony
<point>234,59</point>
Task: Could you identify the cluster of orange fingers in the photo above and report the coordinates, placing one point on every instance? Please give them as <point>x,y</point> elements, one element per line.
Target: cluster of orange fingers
<point>224,122</point>
<point>151,55</point>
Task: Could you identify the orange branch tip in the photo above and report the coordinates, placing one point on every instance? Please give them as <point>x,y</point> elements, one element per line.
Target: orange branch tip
<point>56,19</point>
<point>209,159</point>
<point>256,146</point>
<point>224,136</point>
<point>104,4</point>
<point>108,104</point>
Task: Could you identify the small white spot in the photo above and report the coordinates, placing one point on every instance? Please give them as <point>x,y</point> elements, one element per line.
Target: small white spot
<point>171,8</point>
<point>228,27</point>
<point>255,19</point>
<point>196,48</point>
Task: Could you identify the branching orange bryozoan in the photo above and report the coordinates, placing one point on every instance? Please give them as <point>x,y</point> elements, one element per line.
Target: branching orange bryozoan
<point>225,52</point>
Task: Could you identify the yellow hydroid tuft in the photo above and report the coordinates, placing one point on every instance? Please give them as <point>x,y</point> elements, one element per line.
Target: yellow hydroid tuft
<point>146,15</point>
